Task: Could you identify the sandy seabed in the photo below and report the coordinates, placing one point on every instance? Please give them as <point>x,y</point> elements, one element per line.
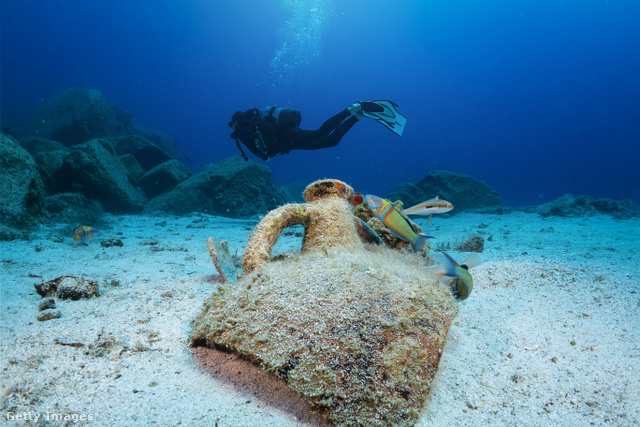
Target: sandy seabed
<point>550,335</point>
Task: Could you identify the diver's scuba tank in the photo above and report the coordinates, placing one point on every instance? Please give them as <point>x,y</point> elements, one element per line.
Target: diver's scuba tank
<point>283,117</point>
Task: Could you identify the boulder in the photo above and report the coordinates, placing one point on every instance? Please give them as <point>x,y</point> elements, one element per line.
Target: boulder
<point>163,178</point>
<point>463,191</point>
<point>35,145</point>
<point>95,170</point>
<point>21,189</point>
<point>74,209</point>
<point>50,166</point>
<point>145,152</point>
<point>76,116</point>
<point>160,139</point>
<point>133,168</point>
<point>69,287</point>
<point>568,206</point>
<point>233,188</point>
<point>11,233</point>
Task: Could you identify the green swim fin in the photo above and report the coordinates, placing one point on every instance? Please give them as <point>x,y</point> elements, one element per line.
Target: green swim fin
<point>386,113</point>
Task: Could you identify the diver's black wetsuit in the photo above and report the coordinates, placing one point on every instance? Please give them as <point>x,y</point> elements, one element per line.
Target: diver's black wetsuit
<point>266,140</point>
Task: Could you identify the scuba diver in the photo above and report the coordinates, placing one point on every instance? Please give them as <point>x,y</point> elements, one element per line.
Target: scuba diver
<point>275,130</point>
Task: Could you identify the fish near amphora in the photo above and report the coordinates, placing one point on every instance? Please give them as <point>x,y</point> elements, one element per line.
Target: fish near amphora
<point>356,330</point>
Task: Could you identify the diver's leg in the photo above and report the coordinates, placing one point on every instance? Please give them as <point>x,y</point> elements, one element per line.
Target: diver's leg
<point>299,139</point>
<point>334,137</point>
<point>329,134</point>
<point>332,123</point>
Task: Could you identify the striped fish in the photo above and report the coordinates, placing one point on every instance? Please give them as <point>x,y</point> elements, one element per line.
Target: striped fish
<point>457,274</point>
<point>395,222</point>
<point>81,235</point>
<point>429,207</point>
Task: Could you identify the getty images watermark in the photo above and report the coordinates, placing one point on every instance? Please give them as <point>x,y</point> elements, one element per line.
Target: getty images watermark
<point>48,416</point>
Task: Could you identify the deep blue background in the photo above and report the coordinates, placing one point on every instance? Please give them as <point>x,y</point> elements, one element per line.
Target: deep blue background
<point>536,98</point>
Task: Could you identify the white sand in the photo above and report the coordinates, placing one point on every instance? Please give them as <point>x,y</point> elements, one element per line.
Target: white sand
<point>549,335</point>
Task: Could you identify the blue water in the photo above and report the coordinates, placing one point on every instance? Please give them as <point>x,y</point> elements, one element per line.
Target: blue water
<point>535,98</point>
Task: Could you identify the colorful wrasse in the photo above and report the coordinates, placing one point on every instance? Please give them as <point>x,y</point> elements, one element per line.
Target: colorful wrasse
<point>457,274</point>
<point>81,235</point>
<point>429,207</point>
<point>395,222</point>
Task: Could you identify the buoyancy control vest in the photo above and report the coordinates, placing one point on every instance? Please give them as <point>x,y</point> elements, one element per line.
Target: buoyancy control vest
<point>246,127</point>
<point>284,118</point>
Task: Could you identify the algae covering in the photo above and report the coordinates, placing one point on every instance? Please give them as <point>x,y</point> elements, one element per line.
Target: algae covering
<point>358,334</point>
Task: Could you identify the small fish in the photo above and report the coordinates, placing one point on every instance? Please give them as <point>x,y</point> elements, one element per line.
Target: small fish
<point>462,283</point>
<point>429,207</point>
<point>395,222</point>
<point>81,235</point>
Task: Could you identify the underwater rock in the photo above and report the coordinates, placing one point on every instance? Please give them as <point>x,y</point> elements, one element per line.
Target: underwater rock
<point>48,315</point>
<point>161,139</point>
<point>358,334</point>
<point>133,168</point>
<point>76,116</point>
<point>46,304</point>
<point>463,191</point>
<point>51,168</point>
<point>163,178</point>
<point>22,191</point>
<point>473,243</point>
<point>568,206</point>
<point>620,209</point>
<point>407,193</point>
<point>68,287</point>
<point>35,145</point>
<point>144,151</point>
<point>233,188</point>
<point>11,233</point>
<point>79,115</point>
<point>73,208</point>
<point>109,243</point>
<point>95,168</point>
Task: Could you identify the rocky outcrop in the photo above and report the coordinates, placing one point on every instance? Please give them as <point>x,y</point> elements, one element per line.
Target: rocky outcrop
<point>233,188</point>
<point>95,171</point>
<point>133,168</point>
<point>73,208</point>
<point>163,178</point>
<point>35,145</point>
<point>69,287</point>
<point>50,165</point>
<point>160,139</point>
<point>79,115</point>
<point>568,206</point>
<point>463,191</point>
<point>21,189</point>
<point>76,116</point>
<point>145,152</point>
